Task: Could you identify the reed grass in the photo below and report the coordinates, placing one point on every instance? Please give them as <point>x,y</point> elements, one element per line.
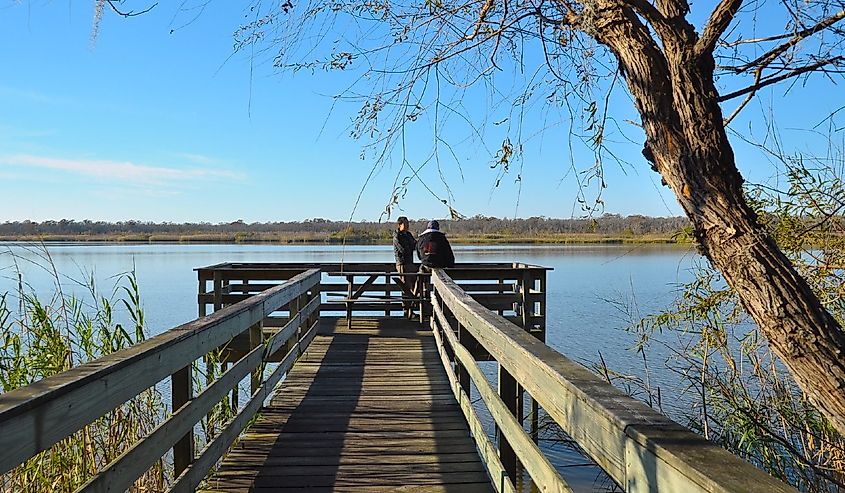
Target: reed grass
<point>40,337</point>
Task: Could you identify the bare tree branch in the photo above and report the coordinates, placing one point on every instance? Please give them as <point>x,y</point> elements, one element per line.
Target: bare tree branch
<point>129,13</point>
<point>719,21</point>
<point>774,80</point>
<point>747,100</point>
<point>775,52</point>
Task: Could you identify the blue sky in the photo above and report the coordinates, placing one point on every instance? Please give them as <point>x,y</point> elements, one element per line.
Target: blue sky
<point>150,124</point>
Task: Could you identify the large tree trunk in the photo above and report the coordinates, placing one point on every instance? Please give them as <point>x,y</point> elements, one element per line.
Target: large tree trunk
<point>686,141</point>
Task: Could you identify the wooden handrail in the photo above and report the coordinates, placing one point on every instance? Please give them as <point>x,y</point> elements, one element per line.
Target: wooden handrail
<point>537,465</point>
<point>35,417</point>
<point>641,449</point>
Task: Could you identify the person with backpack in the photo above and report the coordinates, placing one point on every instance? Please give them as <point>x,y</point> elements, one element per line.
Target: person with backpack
<point>433,248</point>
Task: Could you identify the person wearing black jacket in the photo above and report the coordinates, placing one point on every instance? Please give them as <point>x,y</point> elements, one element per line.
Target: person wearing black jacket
<point>434,249</point>
<point>403,250</point>
<point>403,244</point>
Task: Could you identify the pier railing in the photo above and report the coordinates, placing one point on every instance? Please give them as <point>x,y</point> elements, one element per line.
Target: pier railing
<point>514,290</point>
<point>36,417</point>
<point>641,449</point>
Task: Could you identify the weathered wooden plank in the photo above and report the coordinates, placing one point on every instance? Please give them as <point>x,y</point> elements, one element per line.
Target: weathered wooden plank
<point>350,471</point>
<point>260,274</point>
<point>373,428</point>
<point>337,447</point>
<point>354,459</point>
<point>365,379</point>
<point>411,387</point>
<point>361,307</point>
<point>246,485</point>
<point>362,481</point>
<point>358,422</point>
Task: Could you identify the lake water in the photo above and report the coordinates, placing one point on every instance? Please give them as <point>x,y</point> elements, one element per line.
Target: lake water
<point>592,291</point>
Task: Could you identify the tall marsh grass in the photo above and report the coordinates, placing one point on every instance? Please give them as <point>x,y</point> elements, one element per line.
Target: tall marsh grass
<point>43,335</point>
<point>739,392</point>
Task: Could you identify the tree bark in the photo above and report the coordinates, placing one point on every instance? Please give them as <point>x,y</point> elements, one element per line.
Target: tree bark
<point>676,97</point>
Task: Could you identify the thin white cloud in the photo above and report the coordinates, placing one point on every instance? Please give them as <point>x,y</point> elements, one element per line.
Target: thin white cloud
<point>125,172</point>
<point>195,158</point>
<point>33,96</point>
<point>10,133</point>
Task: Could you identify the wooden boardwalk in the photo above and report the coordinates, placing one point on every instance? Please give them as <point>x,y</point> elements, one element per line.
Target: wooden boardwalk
<point>365,409</point>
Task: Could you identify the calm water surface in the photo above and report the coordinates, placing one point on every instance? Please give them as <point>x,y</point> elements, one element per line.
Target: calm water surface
<point>593,291</point>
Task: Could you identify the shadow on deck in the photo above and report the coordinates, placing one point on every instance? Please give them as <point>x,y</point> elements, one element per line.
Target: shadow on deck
<point>367,409</point>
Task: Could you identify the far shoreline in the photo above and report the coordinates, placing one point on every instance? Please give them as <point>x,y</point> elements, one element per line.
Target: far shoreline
<point>493,239</point>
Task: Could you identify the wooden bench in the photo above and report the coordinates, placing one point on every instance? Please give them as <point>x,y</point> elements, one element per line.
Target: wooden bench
<point>355,294</point>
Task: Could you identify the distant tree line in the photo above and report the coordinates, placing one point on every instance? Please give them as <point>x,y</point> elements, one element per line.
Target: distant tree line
<point>317,228</point>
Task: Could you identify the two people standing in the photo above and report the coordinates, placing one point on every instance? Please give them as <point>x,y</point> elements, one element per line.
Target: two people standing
<point>432,247</point>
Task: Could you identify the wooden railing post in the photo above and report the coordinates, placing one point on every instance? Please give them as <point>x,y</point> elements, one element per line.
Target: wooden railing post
<point>535,420</point>
<point>256,338</point>
<point>303,326</point>
<point>387,292</point>
<point>294,308</point>
<point>527,306</point>
<point>501,290</point>
<point>350,279</point>
<point>181,392</point>
<point>425,293</point>
<point>542,314</point>
<point>464,379</point>
<point>315,293</point>
<point>200,292</point>
<point>538,279</point>
<point>218,290</point>
<point>508,390</point>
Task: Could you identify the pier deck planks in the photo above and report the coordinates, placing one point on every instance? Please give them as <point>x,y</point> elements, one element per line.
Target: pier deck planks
<point>365,409</point>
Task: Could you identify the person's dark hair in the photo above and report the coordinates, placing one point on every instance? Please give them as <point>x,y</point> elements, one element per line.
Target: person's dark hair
<point>401,220</point>
<point>433,224</point>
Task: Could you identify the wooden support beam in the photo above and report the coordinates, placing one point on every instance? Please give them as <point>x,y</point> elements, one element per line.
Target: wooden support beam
<point>527,305</point>
<point>508,394</point>
<point>181,392</point>
<point>387,293</point>
<point>350,280</point>
<point>218,291</point>
<point>256,338</point>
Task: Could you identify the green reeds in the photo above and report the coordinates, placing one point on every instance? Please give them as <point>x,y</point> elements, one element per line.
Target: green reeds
<point>41,337</point>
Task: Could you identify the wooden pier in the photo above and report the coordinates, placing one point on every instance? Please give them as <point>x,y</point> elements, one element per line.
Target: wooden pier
<point>366,408</point>
<point>332,389</point>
